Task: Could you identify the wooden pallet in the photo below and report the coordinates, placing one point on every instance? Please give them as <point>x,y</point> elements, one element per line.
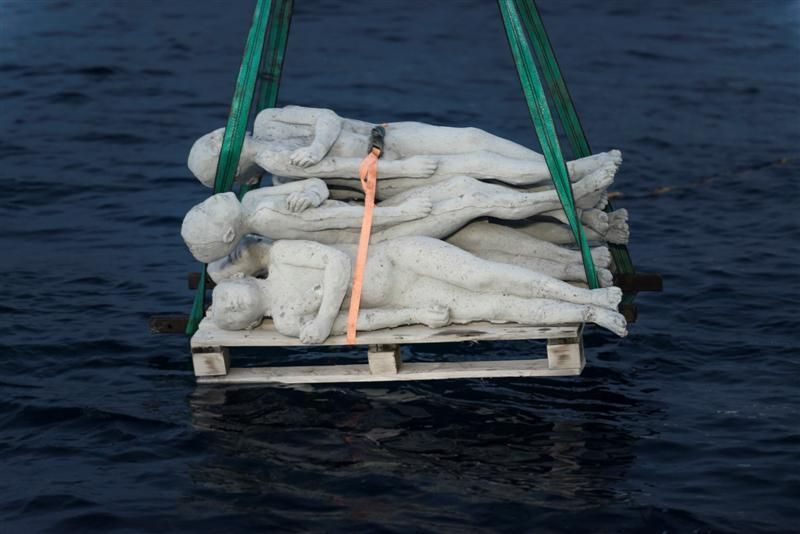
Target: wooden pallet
<point>211,354</point>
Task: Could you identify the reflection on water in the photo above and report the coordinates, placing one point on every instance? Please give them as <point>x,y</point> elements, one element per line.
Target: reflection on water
<point>390,453</point>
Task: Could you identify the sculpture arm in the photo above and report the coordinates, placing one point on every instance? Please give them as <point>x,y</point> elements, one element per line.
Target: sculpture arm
<point>326,125</point>
<point>313,186</point>
<point>336,268</point>
<point>338,167</point>
<point>379,318</point>
<point>301,194</point>
<point>293,115</point>
<point>250,258</point>
<point>281,163</point>
<point>326,131</point>
<point>332,216</point>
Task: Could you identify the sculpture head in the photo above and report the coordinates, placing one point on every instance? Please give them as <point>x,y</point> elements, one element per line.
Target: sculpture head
<point>212,228</point>
<point>204,157</point>
<point>238,304</point>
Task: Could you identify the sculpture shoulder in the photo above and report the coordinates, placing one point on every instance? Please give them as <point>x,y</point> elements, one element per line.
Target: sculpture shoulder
<point>254,203</point>
<point>292,115</point>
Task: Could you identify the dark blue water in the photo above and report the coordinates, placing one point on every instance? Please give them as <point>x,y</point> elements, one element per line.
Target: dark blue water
<point>692,423</point>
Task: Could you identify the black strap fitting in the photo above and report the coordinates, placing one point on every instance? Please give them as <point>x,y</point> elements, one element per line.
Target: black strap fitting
<point>376,138</point>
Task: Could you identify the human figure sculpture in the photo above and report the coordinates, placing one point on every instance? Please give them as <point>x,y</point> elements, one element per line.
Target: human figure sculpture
<point>300,210</point>
<point>407,280</point>
<point>303,142</point>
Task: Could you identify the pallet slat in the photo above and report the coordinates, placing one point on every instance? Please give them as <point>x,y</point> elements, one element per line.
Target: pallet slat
<point>265,335</point>
<point>409,371</point>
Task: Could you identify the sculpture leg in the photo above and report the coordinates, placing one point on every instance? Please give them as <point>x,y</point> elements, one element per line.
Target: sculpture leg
<point>486,165</point>
<point>483,235</point>
<point>476,307</point>
<point>481,140</point>
<point>419,138</point>
<point>618,230</point>
<point>436,259</point>
<point>459,200</point>
<point>571,272</point>
<point>593,219</point>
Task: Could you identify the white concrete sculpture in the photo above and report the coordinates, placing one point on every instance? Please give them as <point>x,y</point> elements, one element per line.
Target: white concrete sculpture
<point>300,210</point>
<point>408,280</point>
<point>316,143</point>
<point>430,186</point>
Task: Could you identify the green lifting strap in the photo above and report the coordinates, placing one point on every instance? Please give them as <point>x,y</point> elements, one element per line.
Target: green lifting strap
<point>564,106</point>
<point>272,67</point>
<point>545,129</point>
<point>241,105</point>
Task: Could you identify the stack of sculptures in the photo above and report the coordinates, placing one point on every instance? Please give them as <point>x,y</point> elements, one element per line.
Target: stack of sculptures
<point>467,228</point>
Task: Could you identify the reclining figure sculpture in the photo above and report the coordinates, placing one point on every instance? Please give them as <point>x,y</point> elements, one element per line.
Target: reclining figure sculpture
<point>301,210</point>
<point>408,280</point>
<point>300,142</point>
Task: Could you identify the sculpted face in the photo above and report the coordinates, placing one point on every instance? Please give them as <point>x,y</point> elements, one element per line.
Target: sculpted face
<point>212,228</point>
<point>237,304</point>
<point>204,158</point>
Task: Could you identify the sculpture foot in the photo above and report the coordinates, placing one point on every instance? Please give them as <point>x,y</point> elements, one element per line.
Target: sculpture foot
<point>616,156</point>
<point>596,181</point>
<point>581,167</point>
<point>618,216</point>
<point>608,297</point>
<point>609,319</point>
<point>618,229</point>
<point>605,277</point>
<point>597,220</point>
<point>602,202</point>
<point>601,257</point>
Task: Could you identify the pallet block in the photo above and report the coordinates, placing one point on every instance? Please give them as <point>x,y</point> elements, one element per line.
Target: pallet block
<point>211,355</point>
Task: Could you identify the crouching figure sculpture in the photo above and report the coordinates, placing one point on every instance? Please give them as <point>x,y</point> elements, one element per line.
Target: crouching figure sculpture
<point>408,280</point>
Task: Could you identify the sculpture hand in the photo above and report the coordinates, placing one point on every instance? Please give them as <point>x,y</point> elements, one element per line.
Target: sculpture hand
<point>315,331</point>
<point>435,316</point>
<point>306,156</point>
<point>420,166</point>
<point>418,207</point>
<point>301,201</point>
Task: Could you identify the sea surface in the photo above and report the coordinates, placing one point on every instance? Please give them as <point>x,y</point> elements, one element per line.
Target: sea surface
<point>690,424</point>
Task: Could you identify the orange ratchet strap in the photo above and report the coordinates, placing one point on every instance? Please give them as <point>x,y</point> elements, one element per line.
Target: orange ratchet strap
<point>368,174</point>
